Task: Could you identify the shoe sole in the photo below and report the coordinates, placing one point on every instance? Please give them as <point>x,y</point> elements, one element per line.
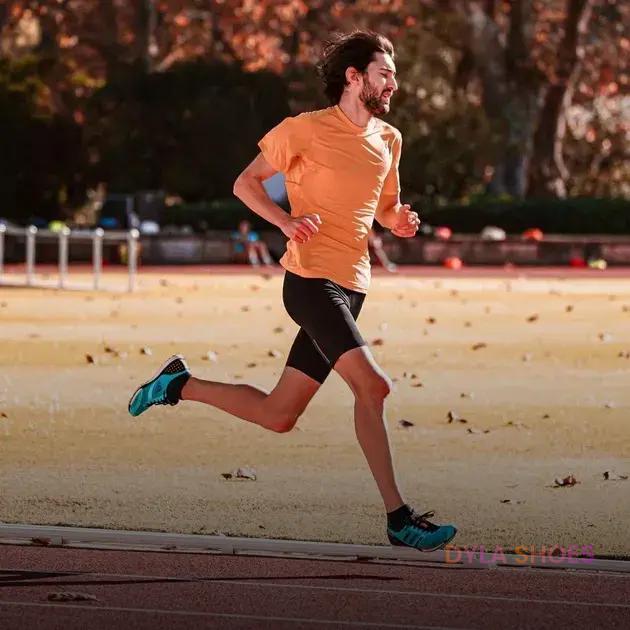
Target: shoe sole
<point>397,543</point>
<point>175,356</point>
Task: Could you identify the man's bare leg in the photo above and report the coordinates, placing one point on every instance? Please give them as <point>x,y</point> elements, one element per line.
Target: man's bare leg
<point>370,387</point>
<point>277,410</point>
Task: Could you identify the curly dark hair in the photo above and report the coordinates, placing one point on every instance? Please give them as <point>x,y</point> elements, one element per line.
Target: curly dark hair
<point>350,50</point>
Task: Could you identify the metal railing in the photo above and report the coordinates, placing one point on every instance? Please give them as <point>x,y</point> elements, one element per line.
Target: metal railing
<point>31,234</point>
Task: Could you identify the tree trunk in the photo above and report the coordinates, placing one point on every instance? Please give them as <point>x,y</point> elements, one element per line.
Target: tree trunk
<point>511,90</point>
<point>145,19</point>
<point>549,174</point>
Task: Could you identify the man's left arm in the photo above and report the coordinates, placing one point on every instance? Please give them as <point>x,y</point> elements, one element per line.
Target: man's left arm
<point>390,213</point>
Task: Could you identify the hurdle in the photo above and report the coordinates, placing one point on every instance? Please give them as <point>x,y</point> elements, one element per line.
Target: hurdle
<point>31,234</point>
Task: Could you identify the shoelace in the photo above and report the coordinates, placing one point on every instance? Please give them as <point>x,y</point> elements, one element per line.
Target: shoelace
<point>420,520</point>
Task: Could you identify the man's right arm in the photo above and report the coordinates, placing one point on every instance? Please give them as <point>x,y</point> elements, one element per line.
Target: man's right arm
<point>249,188</point>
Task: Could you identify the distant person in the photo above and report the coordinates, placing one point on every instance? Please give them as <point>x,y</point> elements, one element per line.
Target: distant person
<point>341,167</point>
<point>375,243</point>
<point>247,244</point>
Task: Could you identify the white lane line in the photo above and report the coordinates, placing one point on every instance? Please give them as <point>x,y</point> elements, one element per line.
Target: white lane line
<point>344,589</point>
<point>193,613</point>
<point>63,535</point>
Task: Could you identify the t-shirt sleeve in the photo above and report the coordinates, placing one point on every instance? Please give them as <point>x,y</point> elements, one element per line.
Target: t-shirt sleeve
<point>391,186</point>
<point>286,142</point>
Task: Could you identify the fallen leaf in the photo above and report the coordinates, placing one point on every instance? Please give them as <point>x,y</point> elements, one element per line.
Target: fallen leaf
<point>466,395</point>
<point>467,324</point>
<point>546,416</point>
<point>146,350</point>
<point>274,353</point>
<point>67,596</point>
<point>478,346</point>
<point>609,405</point>
<point>506,500</point>
<point>567,481</point>
<point>476,431</point>
<point>90,359</point>
<point>604,337</point>
<point>378,342</point>
<point>245,308</point>
<point>278,329</point>
<point>532,318</point>
<point>431,320</point>
<point>624,354</point>
<point>246,473</point>
<point>417,384</point>
<point>526,357</point>
<point>568,308</point>
<point>210,356</point>
<point>253,364</point>
<point>109,350</point>
<point>455,417</point>
<point>3,415</point>
<point>405,423</point>
<point>609,475</point>
<point>519,425</point>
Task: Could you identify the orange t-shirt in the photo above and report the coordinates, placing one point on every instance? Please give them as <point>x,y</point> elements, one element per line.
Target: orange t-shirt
<point>338,170</point>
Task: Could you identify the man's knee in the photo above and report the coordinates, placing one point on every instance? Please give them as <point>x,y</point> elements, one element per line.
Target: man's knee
<point>376,387</point>
<point>283,422</point>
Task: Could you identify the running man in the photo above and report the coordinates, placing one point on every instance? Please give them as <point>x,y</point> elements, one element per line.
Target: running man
<point>341,168</point>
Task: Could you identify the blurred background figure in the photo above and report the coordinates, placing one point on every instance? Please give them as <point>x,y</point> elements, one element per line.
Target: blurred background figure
<point>248,247</point>
<point>375,244</point>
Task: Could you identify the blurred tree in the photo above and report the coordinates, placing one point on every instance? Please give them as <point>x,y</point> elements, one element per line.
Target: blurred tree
<point>488,87</point>
<point>42,157</point>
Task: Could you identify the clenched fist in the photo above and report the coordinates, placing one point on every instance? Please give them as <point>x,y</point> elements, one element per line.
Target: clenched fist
<point>407,222</point>
<point>301,229</point>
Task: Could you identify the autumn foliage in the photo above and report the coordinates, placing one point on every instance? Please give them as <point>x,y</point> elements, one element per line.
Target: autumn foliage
<point>502,98</point>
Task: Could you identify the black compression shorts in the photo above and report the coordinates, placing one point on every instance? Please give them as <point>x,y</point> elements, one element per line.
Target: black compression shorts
<point>326,314</point>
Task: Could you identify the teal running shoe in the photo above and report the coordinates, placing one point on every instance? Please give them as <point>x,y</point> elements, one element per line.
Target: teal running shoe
<point>421,534</point>
<point>156,391</point>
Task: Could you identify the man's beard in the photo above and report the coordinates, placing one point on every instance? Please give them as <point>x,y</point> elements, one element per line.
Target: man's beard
<point>372,99</point>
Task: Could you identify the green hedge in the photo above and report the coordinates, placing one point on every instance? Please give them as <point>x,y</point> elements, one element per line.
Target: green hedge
<point>220,214</point>
<point>563,216</point>
<point>556,216</point>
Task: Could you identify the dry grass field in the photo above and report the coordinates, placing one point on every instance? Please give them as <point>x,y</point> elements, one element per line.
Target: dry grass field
<point>537,367</point>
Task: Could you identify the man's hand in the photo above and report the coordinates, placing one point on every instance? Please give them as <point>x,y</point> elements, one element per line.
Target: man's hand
<point>301,229</point>
<point>407,222</point>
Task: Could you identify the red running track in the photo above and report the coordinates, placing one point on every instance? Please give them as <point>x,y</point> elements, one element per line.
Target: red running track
<point>171,590</point>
